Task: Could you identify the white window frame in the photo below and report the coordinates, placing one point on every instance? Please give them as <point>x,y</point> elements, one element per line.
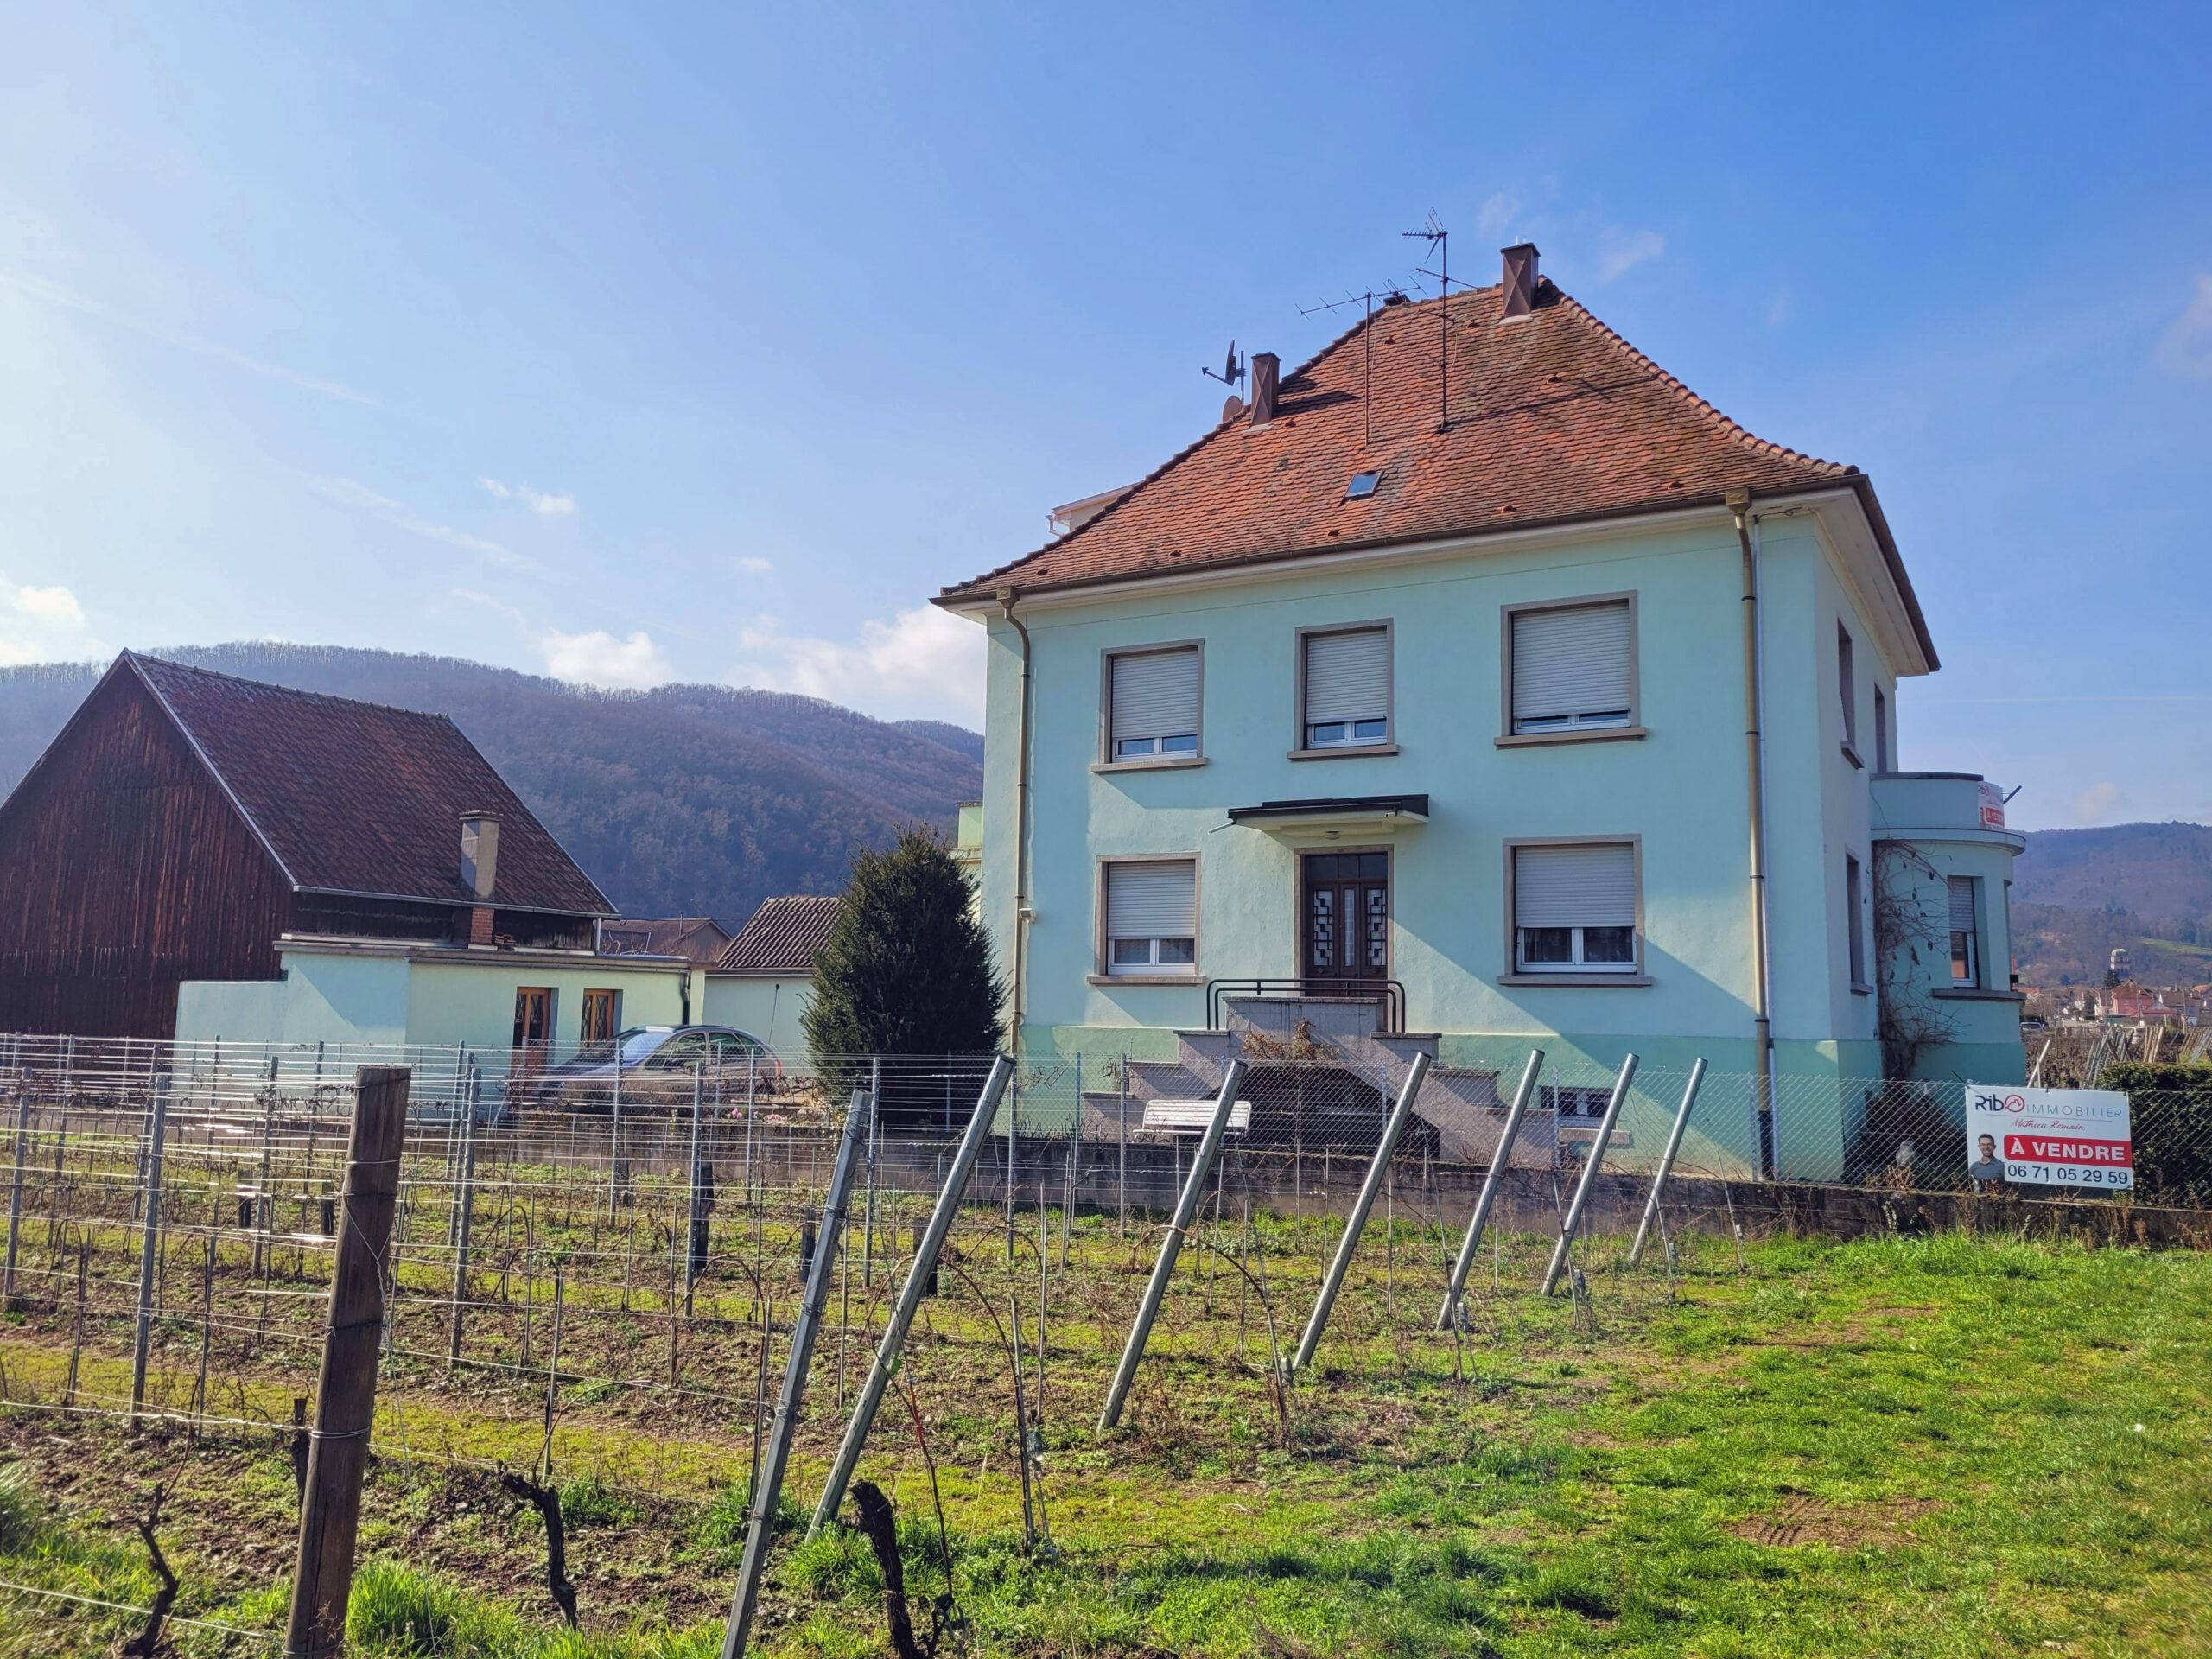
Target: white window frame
<point>1578,972</point>
<point>1846,685</point>
<point>1158,757</point>
<point>1973,935</point>
<point>1386,744</point>
<point>1854,902</point>
<point>1155,972</point>
<point>1630,729</point>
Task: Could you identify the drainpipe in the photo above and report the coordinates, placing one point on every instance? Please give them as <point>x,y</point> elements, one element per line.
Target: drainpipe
<point>1739,505</point>
<point>1023,914</point>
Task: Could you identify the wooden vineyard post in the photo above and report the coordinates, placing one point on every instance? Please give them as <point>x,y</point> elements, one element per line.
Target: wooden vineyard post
<point>464,1219</point>
<point>345,1398</point>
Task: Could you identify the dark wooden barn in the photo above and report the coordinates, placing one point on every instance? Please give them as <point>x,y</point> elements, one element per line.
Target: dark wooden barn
<point>183,821</point>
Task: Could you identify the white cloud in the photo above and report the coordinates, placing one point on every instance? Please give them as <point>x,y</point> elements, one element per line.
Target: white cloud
<point>1780,307</point>
<point>346,492</point>
<point>41,624</point>
<point>924,662</point>
<point>1620,251</point>
<point>538,501</point>
<point>1495,216</point>
<point>2186,346</point>
<point>2099,802</point>
<point>753,565</point>
<point>599,659</point>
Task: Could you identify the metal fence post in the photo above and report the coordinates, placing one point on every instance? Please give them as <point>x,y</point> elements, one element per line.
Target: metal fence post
<point>1392,1130</point>
<point>465,1214</point>
<point>918,1275</point>
<point>1185,1207</point>
<point>874,1125</point>
<point>158,1123</point>
<point>1457,1287</point>
<point>1666,1162</point>
<point>1597,1150</point>
<point>615,1169</point>
<point>15,1192</point>
<point>1121,1176</point>
<point>770,1486</point>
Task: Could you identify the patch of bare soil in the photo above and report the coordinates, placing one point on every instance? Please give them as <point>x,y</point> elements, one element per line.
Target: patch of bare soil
<point>1805,1519</point>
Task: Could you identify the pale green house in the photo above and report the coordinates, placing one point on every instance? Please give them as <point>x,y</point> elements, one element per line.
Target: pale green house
<point>1411,701</point>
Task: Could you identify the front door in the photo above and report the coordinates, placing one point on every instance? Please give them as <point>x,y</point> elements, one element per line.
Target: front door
<point>533,1027</point>
<point>1347,915</point>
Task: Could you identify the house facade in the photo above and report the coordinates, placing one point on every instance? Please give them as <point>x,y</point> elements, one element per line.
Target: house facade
<point>1424,682</point>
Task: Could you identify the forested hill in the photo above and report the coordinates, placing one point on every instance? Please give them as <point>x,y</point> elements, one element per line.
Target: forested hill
<point>687,800</point>
<point>2076,893</point>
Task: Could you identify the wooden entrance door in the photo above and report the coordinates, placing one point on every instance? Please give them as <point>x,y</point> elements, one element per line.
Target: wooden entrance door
<point>533,1028</point>
<point>1347,903</point>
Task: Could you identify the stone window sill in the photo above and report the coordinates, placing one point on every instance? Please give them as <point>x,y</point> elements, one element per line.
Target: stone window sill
<point>1609,981</point>
<point>1977,995</point>
<point>1188,981</point>
<point>1852,755</point>
<point>1152,763</point>
<point>1348,752</point>
<point>1594,735</point>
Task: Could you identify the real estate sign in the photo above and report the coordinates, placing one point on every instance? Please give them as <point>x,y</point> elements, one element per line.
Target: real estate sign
<point>2057,1137</point>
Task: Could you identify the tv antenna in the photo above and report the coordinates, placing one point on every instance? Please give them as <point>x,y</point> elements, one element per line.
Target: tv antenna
<point>1440,241</point>
<point>1231,375</point>
<point>1367,334</point>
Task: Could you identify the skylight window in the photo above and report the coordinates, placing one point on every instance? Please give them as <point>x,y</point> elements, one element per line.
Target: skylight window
<point>1362,484</point>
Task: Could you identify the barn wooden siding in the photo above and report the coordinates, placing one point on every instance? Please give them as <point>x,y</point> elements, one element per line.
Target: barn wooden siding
<point>123,870</point>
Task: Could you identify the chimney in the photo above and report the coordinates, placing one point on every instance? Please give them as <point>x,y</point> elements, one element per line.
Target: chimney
<point>1520,280</point>
<point>1266,366</point>
<point>479,869</point>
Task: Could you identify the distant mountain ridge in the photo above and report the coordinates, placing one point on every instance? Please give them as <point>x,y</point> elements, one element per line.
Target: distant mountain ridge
<point>693,800</point>
<point>2147,887</point>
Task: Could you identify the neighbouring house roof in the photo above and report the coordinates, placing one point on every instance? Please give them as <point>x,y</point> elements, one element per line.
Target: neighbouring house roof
<point>1554,419</point>
<point>784,936</point>
<point>699,939</point>
<point>356,798</point>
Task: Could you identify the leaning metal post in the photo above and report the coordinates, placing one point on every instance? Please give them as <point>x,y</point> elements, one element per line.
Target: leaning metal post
<point>1499,1160</point>
<point>15,1192</point>
<point>1666,1162</point>
<point>1598,1149</point>
<point>1185,1207</point>
<point>910,1296</point>
<point>158,1123</point>
<point>1395,1126</point>
<point>770,1486</point>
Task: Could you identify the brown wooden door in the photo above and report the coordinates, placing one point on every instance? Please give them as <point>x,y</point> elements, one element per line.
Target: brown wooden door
<point>1347,906</point>
<point>599,1018</point>
<point>533,1027</point>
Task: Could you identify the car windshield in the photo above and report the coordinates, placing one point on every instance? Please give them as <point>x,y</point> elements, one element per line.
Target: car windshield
<point>641,1041</point>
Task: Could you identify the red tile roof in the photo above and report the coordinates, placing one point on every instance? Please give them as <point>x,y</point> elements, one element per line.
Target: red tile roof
<point>356,798</point>
<point>1554,419</point>
<point>785,936</point>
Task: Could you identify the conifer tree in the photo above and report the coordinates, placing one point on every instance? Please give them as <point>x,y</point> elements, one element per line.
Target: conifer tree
<point>907,970</point>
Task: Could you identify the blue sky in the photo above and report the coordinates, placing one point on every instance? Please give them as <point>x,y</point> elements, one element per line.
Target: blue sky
<point>638,343</point>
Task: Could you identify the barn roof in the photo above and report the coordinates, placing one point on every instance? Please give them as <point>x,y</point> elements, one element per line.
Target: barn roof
<point>785,936</point>
<point>357,798</point>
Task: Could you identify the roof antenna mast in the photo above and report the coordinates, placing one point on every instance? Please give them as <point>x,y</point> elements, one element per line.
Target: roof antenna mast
<point>1440,239</point>
<point>1367,336</point>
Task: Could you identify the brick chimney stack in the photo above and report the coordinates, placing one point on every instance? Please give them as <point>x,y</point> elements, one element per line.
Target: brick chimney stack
<point>480,870</point>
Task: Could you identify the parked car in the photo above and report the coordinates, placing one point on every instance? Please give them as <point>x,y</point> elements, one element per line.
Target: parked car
<point>655,1065</point>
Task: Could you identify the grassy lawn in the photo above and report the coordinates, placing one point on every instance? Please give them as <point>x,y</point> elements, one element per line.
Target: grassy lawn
<point>1937,1445</point>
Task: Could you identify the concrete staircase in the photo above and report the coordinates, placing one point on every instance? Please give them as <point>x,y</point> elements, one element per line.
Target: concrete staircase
<point>1338,1040</point>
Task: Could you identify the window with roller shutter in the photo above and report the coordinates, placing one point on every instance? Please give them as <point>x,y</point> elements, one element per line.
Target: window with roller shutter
<point>1344,691</point>
<point>1965,941</point>
<point>1152,703</point>
<point>1152,917</point>
<point>1571,668</point>
<point>1574,908</point>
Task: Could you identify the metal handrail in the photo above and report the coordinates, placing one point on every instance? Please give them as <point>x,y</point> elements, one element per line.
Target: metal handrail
<point>1388,993</point>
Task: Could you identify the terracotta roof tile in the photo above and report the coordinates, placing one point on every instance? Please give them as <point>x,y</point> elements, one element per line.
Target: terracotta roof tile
<point>358,797</point>
<point>785,936</point>
<point>1554,418</point>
